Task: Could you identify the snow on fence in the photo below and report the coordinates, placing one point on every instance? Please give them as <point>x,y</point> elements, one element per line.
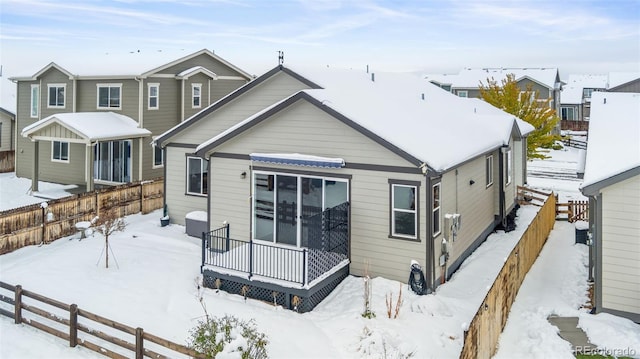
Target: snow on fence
<point>7,161</point>
<point>37,224</point>
<point>481,339</point>
<point>80,327</point>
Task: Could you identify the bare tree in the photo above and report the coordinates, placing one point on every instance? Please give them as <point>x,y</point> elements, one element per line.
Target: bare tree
<point>107,224</point>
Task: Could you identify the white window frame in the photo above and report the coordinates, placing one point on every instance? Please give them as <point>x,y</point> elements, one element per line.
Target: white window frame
<point>64,95</point>
<point>462,93</point>
<point>149,96</point>
<point>61,159</point>
<point>489,170</point>
<point>573,112</point>
<point>203,166</point>
<point>194,97</point>
<point>154,164</point>
<point>414,211</point>
<point>108,86</point>
<point>35,105</point>
<point>435,209</point>
<point>507,167</point>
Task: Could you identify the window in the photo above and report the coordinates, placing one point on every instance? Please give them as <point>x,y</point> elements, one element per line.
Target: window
<point>489,170</point>
<point>435,194</point>
<point>112,161</point>
<point>154,93</point>
<point>507,167</point>
<point>35,100</point>
<point>404,212</point>
<point>568,113</point>
<point>158,156</point>
<point>196,95</point>
<point>288,208</point>
<point>60,151</point>
<point>109,96</point>
<point>197,175</point>
<point>463,93</point>
<point>56,95</point>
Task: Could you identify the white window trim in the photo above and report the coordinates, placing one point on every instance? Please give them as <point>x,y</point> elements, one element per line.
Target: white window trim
<point>200,194</point>
<point>434,209</point>
<point>68,152</point>
<point>460,92</point>
<point>193,95</point>
<point>508,167</point>
<point>157,96</point>
<point>394,209</point>
<point>108,85</point>
<point>153,163</point>
<point>489,170</point>
<point>64,102</point>
<point>35,87</point>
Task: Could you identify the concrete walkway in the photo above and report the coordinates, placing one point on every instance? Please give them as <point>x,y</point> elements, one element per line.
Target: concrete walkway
<point>570,332</point>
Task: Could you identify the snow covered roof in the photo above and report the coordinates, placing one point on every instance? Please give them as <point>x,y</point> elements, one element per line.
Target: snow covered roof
<point>620,78</point>
<point>572,92</point>
<point>135,63</point>
<point>91,126</point>
<point>471,78</point>
<point>195,70</point>
<point>613,147</point>
<point>413,115</point>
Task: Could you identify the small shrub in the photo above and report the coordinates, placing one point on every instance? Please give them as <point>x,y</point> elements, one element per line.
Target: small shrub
<point>228,335</point>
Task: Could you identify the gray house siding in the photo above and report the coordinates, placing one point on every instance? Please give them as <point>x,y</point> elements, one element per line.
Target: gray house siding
<point>631,86</point>
<point>201,60</point>
<point>6,132</point>
<point>270,91</point>
<point>543,91</point>
<point>24,147</point>
<point>304,128</point>
<point>88,97</point>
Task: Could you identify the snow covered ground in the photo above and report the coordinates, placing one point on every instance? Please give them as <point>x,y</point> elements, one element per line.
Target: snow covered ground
<point>154,287</point>
<point>16,191</point>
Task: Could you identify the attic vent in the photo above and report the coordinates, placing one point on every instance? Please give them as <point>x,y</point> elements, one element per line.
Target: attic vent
<point>423,95</point>
<point>605,101</point>
<point>373,77</point>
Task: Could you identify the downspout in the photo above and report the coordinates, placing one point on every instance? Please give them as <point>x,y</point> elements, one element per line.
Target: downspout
<point>182,101</point>
<point>75,95</point>
<point>140,123</point>
<point>430,250</point>
<point>502,217</point>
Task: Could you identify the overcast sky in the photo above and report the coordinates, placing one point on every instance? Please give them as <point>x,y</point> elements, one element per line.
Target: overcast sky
<point>437,36</point>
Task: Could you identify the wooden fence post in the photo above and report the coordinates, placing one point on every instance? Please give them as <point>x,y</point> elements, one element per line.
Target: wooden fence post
<point>73,325</point>
<point>139,343</point>
<point>17,311</point>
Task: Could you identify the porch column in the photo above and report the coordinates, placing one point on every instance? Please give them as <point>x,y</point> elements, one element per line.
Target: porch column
<point>89,154</point>
<point>36,159</point>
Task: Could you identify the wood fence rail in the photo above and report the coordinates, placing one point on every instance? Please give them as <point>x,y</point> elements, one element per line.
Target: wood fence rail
<point>135,349</point>
<point>28,225</point>
<point>7,161</point>
<point>574,210</point>
<point>481,339</point>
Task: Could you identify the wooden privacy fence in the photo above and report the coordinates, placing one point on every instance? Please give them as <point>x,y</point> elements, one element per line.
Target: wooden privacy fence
<point>571,211</point>
<point>80,327</point>
<point>34,224</point>
<point>481,339</point>
<point>7,161</point>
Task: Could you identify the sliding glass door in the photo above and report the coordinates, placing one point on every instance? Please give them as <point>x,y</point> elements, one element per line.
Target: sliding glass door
<point>112,161</point>
<point>287,209</point>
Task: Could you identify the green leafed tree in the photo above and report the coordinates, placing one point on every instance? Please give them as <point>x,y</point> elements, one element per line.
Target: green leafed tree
<point>525,105</point>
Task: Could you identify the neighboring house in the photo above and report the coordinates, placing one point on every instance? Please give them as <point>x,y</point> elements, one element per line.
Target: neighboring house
<point>316,175</point>
<point>129,108</point>
<point>546,81</point>
<point>575,99</point>
<point>612,183</point>
<point>7,129</point>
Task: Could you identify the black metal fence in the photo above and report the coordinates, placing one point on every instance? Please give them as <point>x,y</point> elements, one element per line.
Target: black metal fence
<point>324,246</point>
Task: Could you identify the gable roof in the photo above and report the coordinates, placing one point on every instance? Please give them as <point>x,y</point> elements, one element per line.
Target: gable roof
<point>126,65</point>
<point>471,78</point>
<point>617,79</point>
<point>440,131</point>
<point>91,126</point>
<point>613,147</point>
<point>167,135</point>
